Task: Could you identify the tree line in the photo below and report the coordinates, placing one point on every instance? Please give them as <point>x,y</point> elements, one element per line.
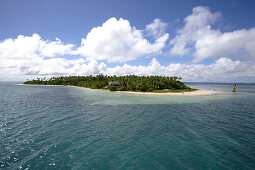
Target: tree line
<point>127,83</point>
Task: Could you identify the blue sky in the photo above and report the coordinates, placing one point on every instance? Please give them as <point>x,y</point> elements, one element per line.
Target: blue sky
<point>72,19</point>
<point>178,53</point>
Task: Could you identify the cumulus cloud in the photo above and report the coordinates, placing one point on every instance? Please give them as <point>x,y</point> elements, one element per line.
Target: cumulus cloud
<point>30,55</point>
<point>32,46</point>
<point>196,26</point>
<point>157,28</point>
<point>53,48</point>
<point>220,71</point>
<point>117,41</point>
<point>197,38</point>
<point>238,43</point>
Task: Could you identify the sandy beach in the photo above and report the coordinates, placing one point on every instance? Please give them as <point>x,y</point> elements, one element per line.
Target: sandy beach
<point>193,93</point>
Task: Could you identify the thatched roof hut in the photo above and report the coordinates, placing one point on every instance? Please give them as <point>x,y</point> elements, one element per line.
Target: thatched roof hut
<point>114,84</point>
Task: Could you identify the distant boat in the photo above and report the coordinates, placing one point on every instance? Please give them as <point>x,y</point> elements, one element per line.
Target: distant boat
<point>234,89</point>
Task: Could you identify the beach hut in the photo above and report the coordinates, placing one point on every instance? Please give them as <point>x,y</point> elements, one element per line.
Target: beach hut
<point>114,84</point>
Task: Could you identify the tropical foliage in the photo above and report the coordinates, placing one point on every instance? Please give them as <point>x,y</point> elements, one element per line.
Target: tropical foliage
<point>127,83</point>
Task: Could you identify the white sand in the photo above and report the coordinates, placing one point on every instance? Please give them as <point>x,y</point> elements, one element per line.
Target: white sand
<point>193,93</point>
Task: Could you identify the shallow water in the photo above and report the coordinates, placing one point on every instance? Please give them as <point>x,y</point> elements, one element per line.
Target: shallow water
<point>53,127</point>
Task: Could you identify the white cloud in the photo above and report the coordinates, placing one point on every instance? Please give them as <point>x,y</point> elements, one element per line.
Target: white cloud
<point>91,68</point>
<point>157,28</point>
<point>196,26</point>
<point>30,47</point>
<point>117,41</point>
<point>222,70</point>
<point>154,68</point>
<point>197,38</point>
<point>30,55</point>
<point>53,48</point>
<point>237,43</point>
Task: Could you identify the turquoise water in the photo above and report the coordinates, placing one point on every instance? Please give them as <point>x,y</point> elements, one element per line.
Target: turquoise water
<point>46,127</point>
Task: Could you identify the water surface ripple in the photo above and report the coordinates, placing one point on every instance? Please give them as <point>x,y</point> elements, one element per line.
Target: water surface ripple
<point>45,127</point>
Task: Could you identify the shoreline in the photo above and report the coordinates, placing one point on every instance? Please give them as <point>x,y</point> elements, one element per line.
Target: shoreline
<point>193,93</point>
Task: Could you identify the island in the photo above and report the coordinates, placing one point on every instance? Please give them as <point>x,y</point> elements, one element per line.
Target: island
<point>129,83</point>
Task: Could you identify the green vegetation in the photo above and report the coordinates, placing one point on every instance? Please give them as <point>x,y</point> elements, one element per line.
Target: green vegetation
<point>113,88</point>
<point>157,84</point>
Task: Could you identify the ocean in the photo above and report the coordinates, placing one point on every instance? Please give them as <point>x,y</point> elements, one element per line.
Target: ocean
<point>55,127</point>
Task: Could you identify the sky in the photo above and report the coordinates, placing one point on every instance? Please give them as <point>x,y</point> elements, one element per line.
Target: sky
<point>199,40</point>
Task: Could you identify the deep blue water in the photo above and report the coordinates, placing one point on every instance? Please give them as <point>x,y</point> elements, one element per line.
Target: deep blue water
<point>46,127</point>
